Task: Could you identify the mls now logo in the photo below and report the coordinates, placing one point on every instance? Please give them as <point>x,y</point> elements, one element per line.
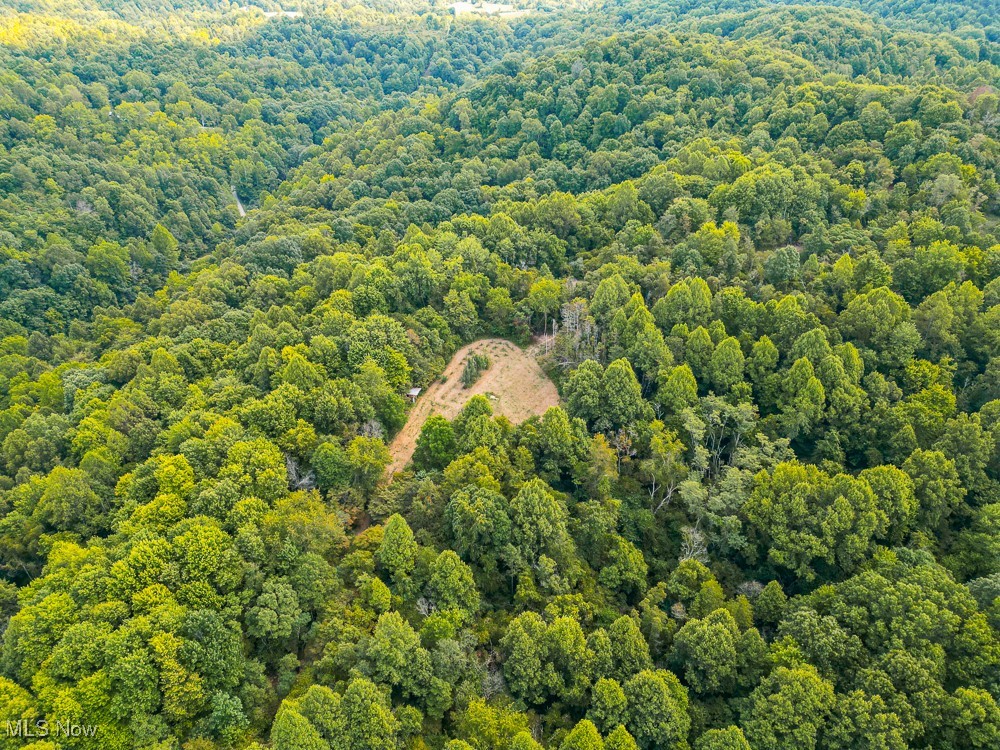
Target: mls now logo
<point>41,728</point>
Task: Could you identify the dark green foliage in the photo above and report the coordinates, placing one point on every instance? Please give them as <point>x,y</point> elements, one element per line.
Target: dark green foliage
<point>756,244</point>
<point>474,366</point>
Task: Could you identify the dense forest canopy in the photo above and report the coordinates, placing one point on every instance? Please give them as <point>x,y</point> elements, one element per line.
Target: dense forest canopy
<point>757,246</point>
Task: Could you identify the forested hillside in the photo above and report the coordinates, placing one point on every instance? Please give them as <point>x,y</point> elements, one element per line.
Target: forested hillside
<point>757,247</point>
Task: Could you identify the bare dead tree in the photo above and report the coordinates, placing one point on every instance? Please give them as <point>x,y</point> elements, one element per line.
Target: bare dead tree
<point>624,444</point>
<point>694,545</point>
<point>298,479</point>
<point>372,429</point>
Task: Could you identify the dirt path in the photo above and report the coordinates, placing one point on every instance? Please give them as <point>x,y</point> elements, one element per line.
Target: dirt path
<point>516,386</point>
<point>239,205</point>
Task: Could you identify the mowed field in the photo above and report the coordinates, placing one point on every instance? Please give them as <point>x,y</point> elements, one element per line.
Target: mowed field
<point>515,384</point>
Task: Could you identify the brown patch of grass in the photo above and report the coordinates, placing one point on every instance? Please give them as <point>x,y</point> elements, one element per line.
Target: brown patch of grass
<point>519,387</point>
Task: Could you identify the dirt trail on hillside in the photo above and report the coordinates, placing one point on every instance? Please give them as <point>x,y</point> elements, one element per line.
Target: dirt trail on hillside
<point>515,384</point>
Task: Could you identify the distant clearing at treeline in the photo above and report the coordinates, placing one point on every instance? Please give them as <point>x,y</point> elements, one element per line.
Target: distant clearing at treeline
<point>514,382</point>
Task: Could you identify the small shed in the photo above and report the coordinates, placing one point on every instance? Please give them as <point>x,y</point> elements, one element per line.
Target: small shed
<point>412,394</point>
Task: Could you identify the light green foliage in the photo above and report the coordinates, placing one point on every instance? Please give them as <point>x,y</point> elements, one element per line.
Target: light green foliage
<point>525,648</point>
<point>292,731</point>
<point>665,469</point>
<point>708,649</point>
<point>607,704</point>
<point>367,458</point>
<point>730,738</point>
<point>726,365</point>
<point>936,486</point>
<point>756,250</point>
<point>606,399</point>
<point>539,522</point>
<point>678,389</point>
<point>769,606</point>
<point>451,583</point>
<point>276,612</point>
<point>624,570</point>
<point>622,402</point>
<point>330,463</point>
<point>436,444</point>
<point>479,525</point>
<point>619,739</point>
<point>788,709</point>
<point>368,723</point>
<point>397,551</point>
<point>806,518</point>
<point>895,499</point>
<point>488,727</point>
<point>861,720</point>
<point>657,710</point>
<point>584,736</point>
<point>629,651</point>
<point>392,656</point>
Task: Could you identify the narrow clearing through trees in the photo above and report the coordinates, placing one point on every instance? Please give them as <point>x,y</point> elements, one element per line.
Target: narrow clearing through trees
<point>514,383</point>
